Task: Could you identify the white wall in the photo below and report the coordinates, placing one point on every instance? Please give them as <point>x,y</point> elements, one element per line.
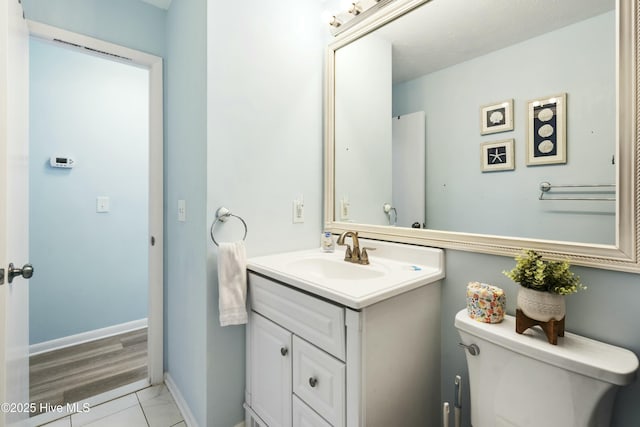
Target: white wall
<point>363,129</point>
<point>578,60</point>
<point>264,149</point>
<point>90,267</point>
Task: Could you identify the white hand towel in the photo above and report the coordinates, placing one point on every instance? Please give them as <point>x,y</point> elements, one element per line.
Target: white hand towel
<point>232,283</point>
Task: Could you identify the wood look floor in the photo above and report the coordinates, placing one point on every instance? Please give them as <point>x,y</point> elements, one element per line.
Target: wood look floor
<point>74,373</point>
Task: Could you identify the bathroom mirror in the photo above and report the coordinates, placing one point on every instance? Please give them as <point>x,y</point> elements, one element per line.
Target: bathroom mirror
<point>523,117</point>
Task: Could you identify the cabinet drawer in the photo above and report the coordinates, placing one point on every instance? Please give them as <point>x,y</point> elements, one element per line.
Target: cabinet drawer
<point>319,380</point>
<point>303,416</point>
<point>317,321</point>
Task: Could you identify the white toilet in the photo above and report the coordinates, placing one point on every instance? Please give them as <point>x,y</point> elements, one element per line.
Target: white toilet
<point>523,381</point>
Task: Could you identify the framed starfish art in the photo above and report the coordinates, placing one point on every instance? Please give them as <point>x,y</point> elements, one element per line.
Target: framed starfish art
<point>497,156</point>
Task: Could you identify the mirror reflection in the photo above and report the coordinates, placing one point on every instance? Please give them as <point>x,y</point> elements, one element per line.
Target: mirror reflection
<point>453,115</point>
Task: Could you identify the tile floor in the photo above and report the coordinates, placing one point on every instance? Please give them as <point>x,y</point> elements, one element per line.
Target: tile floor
<point>150,407</point>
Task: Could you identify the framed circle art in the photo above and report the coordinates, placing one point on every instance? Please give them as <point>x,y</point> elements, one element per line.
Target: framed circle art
<point>547,130</point>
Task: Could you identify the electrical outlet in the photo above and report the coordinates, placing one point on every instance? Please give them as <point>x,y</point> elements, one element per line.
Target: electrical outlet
<point>298,211</point>
<point>345,208</point>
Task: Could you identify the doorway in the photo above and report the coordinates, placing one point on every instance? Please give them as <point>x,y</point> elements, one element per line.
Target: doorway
<point>96,213</point>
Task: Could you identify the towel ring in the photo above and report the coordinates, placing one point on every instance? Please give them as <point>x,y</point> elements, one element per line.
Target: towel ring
<point>221,215</point>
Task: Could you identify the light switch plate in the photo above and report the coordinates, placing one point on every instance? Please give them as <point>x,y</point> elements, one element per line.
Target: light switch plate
<point>102,204</point>
<point>182,211</point>
<point>298,211</point>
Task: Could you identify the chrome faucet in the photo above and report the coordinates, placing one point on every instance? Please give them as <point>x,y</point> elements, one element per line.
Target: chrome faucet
<point>351,255</point>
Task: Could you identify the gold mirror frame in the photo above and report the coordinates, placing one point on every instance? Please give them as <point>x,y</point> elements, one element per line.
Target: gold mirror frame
<point>623,256</point>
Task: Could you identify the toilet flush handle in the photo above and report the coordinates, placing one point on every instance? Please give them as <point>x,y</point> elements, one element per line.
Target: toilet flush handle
<point>473,349</point>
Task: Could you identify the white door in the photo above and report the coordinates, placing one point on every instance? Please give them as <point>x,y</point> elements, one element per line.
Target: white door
<point>14,212</point>
<point>408,169</point>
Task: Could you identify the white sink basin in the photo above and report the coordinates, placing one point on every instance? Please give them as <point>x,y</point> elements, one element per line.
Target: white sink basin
<point>327,268</point>
<point>393,269</point>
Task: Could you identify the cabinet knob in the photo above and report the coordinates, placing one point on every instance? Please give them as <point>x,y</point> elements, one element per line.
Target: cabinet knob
<point>284,351</point>
<point>313,381</point>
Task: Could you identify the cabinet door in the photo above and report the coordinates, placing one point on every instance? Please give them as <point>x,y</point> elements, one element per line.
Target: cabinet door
<point>270,372</point>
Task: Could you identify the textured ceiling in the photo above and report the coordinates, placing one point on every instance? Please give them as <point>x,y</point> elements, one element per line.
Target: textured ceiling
<point>442,33</point>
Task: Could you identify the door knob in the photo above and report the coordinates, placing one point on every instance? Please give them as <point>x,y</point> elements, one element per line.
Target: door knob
<point>26,271</point>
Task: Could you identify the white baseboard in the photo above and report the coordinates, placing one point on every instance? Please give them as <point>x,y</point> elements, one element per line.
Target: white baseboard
<point>43,347</point>
<point>189,419</point>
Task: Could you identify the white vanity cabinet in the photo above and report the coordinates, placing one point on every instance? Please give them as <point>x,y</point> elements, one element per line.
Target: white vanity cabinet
<point>315,362</point>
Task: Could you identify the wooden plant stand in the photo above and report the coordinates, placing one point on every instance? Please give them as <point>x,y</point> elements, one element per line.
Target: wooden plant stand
<point>552,328</point>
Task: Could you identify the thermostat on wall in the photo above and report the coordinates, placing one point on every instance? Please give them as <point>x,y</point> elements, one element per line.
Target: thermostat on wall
<point>61,162</point>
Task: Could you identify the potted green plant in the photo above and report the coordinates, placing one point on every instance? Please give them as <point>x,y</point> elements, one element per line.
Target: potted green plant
<point>543,285</point>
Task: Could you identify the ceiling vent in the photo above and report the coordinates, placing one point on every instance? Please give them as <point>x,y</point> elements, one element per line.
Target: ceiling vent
<point>101,52</point>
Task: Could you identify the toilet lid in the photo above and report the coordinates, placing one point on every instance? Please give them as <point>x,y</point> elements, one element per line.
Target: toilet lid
<point>573,352</point>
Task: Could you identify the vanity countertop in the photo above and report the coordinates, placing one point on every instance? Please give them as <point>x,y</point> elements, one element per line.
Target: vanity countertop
<point>394,269</point>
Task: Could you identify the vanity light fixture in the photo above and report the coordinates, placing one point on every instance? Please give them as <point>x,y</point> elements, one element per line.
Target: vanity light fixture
<point>352,13</point>
<point>331,19</point>
<point>355,8</point>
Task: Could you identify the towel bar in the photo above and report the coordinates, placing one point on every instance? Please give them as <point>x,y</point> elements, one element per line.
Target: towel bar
<point>546,186</point>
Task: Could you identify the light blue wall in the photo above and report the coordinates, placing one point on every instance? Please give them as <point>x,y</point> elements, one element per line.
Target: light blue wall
<point>186,178</point>
<point>128,23</point>
<point>264,120</point>
<point>579,60</point>
<point>88,264</point>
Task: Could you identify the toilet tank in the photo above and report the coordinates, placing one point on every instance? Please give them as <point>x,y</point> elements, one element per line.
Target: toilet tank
<point>522,380</point>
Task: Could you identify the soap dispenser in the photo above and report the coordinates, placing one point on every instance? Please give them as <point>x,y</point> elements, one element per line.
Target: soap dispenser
<point>327,244</point>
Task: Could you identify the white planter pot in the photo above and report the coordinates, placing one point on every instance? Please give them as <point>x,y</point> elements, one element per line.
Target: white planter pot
<point>542,306</point>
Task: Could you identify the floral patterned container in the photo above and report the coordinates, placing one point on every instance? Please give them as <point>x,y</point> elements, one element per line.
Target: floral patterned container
<point>485,303</point>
